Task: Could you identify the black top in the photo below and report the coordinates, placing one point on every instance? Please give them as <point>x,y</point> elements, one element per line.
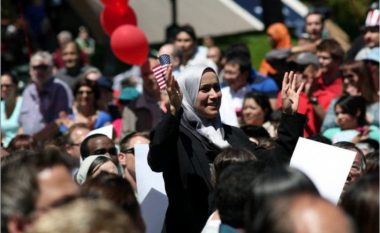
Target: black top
<point>185,163</point>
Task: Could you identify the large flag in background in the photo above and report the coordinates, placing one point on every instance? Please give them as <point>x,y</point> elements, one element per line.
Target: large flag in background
<point>159,71</point>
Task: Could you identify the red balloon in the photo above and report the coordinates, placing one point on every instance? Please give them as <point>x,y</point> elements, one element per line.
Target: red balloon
<point>112,17</point>
<point>115,2</point>
<point>130,45</point>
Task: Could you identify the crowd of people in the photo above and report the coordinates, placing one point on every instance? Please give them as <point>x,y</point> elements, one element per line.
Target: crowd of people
<point>222,133</point>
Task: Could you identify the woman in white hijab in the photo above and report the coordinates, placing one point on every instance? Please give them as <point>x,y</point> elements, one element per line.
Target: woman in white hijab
<point>93,165</point>
<point>186,141</point>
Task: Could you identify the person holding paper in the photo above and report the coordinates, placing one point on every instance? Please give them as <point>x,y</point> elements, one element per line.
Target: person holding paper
<point>186,141</point>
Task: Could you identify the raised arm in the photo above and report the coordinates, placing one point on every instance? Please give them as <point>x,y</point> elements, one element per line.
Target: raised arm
<point>292,123</point>
<point>174,92</point>
<point>163,145</point>
<point>290,94</point>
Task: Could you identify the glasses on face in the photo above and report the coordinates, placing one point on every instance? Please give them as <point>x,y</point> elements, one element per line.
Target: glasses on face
<point>85,92</point>
<point>129,151</point>
<point>349,77</point>
<point>6,85</point>
<point>103,151</point>
<point>40,67</point>
<point>74,144</point>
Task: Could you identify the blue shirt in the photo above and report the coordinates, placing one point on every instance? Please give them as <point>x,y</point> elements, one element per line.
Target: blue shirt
<point>42,107</point>
<point>263,84</point>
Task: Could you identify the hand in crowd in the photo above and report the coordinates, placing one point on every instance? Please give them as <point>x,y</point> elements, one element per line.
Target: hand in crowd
<point>63,119</point>
<point>174,92</point>
<point>363,134</point>
<point>290,94</point>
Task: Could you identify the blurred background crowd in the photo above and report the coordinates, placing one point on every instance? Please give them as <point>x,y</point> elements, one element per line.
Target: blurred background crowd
<point>60,80</point>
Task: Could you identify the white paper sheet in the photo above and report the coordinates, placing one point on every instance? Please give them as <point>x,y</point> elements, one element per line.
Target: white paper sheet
<point>327,166</point>
<point>151,191</point>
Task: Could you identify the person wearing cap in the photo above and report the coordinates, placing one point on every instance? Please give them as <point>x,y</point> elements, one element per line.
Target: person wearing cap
<point>369,37</point>
<point>372,59</point>
<point>127,95</point>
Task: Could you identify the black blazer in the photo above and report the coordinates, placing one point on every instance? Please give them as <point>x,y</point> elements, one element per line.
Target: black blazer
<point>185,163</point>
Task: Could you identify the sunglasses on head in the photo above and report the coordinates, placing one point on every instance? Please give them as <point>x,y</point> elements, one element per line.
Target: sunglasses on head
<point>103,151</point>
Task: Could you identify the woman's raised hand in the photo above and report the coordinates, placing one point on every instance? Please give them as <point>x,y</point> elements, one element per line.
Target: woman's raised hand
<point>290,95</point>
<point>174,92</point>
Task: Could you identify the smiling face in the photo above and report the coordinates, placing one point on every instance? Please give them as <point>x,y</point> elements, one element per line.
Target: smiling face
<point>102,145</point>
<point>85,96</point>
<point>40,71</point>
<point>70,55</point>
<point>326,62</point>
<point>8,88</point>
<point>253,114</point>
<point>350,83</point>
<point>209,96</point>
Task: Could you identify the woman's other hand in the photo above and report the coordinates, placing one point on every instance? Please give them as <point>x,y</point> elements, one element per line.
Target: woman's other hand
<point>290,94</point>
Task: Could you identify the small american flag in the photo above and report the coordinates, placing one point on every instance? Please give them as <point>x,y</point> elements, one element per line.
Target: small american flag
<point>159,71</point>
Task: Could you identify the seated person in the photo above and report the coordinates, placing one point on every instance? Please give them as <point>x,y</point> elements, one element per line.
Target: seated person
<point>350,116</point>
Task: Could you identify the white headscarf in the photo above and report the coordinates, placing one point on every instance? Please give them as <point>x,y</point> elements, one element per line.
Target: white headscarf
<point>189,82</point>
<point>81,175</point>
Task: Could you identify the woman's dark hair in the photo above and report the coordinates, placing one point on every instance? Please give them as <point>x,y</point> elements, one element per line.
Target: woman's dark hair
<point>13,77</point>
<point>227,157</point>
<point>352,105</point>
<point>364,84</point>
<point>22,142</point>
<point>117,190</point>
<point>189,30</point>
<point>274,183</point>
<point>263,101</point>
<point>98,162</point>
<point>260,134</point>
<point>372,160</point>
<point>88,83</point>
<point>361,203</point>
